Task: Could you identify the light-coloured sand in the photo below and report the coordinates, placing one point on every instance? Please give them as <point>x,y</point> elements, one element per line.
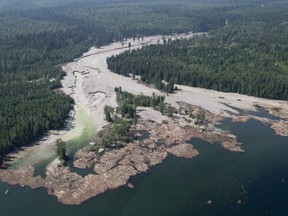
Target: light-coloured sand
<point>45,149</point>
<point>225,104</point>
<point>92,85</point>
<point>100,79</point>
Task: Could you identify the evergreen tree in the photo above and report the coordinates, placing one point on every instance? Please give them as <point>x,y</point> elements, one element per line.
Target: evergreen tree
<point>61,149</point>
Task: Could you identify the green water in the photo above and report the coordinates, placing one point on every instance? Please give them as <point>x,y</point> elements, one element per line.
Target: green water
<point>80,132</point>
<point>259,178</point>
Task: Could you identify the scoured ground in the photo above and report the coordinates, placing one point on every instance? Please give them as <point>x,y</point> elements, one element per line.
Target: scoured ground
<point>113,168</point>
<point>92,86</point>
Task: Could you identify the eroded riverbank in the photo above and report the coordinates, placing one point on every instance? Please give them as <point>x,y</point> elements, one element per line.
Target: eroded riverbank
<point>92,86</point>
<point>113,168</point>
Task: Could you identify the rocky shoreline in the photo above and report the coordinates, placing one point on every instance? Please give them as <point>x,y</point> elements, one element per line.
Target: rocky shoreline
<point>113,168</point>
<point>92,85</point>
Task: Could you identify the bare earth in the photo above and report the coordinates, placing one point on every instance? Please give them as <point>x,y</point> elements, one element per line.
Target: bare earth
<point>92,85</point>
<point>95,88</point>
<point>114,168</point>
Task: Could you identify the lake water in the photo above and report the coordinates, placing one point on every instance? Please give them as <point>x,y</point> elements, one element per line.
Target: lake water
<point>257,180</point>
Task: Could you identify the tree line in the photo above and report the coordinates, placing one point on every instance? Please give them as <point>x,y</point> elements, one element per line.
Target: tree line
<point>124,116</point>
<point>248,55</point>
<point>35,39</point>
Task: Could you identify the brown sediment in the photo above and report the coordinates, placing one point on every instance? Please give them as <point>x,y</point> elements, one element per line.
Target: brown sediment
<point>240,118</point>
<point>226,140</point>
<point>279,112</point>
<point>208,131</point>
<point>73,189</point>
<point>23,177</point>
<point>183,150</point>
<point>84,159</point>
<point>281,128</point>
<point>195,110</point>
<point>130,185</point>
<point>113,168</point>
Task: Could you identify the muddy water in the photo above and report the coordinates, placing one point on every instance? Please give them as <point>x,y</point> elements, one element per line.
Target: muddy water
<point>80,132</point>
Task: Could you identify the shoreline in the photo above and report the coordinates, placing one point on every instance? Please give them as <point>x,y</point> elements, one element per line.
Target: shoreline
<point>44,148</point>
<point>114,168</point>
<point>13,159</point>
<point>92,85</point>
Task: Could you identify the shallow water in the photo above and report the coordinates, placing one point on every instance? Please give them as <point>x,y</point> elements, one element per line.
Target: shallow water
<point>258,179</point>
<point>80,132</point>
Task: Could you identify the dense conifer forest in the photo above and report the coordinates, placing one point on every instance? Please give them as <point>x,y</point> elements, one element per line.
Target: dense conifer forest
<point>248,55</point>
<point>37,36</point>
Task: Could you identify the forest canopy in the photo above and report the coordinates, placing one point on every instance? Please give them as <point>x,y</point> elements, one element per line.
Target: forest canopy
<point>247,55</point>
<point>37,36</point>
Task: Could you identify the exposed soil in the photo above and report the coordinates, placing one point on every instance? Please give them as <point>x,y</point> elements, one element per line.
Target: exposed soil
<point>92,85</point>
<point>114,167</point>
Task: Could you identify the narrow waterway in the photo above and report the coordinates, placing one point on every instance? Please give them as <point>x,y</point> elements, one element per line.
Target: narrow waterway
<point>250,183</point>
<point>80,132</point>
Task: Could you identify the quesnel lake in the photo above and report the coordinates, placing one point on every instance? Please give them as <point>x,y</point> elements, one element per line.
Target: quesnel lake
<point>143,108</point>
<point>250,183</point>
